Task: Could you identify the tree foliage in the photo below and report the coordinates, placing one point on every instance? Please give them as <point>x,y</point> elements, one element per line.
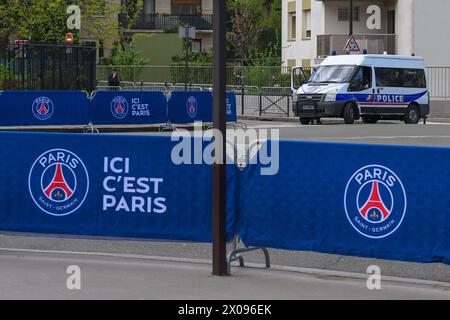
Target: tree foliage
<point>255,35</point>
<point>126,55</point>
<point>46,20</point>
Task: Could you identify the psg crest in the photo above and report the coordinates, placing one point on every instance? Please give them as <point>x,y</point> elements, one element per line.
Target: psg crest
<point>119,107</point>
<point>375,201</point>
<point>43,108</point>
<point>58,182</point>
<point>192,107</point>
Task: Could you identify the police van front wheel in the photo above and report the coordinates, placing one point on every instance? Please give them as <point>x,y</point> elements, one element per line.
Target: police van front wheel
<point>412,115</point>
<point>350,113</point>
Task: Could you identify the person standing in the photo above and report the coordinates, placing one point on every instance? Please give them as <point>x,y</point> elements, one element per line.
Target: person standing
<point>113,79</point>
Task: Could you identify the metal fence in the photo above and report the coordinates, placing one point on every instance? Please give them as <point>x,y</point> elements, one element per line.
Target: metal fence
<point>36,66</point>
<point>438,79</point>
<point>167,22</point>
<point>374,43</point>
<point>251,100</point>
<point>237,76</point>
<point>248,77</point>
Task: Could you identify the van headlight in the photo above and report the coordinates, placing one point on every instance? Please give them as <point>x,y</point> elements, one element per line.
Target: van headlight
<point>331,96</point>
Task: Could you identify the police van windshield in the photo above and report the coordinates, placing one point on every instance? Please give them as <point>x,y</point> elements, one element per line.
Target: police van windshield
<point>332,74</point>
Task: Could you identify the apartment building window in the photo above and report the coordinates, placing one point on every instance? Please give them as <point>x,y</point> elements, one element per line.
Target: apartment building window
<point>292,21</point>
<point>149,6</point>
<point>186,7</point>
<point>344,14</point>
<point>307,24</point>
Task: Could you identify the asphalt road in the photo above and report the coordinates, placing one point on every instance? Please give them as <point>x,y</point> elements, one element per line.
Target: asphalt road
<point>392,133</point>
<point>38,275</point>
<point>435,133</point>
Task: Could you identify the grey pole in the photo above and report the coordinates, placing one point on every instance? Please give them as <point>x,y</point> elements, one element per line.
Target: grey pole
<point>219,174</point>
<point>186,67</point>
<point>351,19</point>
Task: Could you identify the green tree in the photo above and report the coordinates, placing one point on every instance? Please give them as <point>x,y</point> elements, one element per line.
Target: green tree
<point>128,56</point>
<point>255,31</point>
<point>46,20</point>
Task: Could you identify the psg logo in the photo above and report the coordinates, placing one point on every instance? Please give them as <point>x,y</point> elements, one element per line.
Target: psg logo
<point>43,108</point>
<point>58,182</point>
<point>119,107</point>
<point>192,107</point>
<point>375,201</point>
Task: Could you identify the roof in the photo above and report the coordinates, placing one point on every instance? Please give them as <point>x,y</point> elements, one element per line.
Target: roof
<point>376,59</point>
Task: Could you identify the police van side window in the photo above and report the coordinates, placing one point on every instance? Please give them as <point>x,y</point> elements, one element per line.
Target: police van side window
<point>362,79</point>
<point>396,77</point>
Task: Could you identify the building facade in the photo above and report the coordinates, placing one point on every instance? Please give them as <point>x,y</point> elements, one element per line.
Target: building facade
<point>314,28</point>
<point>155,30</point>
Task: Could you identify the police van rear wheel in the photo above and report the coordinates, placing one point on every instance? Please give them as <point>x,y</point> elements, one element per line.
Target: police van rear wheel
<point>412,115</point>
<point>305,121</point>
<point>350,113</point>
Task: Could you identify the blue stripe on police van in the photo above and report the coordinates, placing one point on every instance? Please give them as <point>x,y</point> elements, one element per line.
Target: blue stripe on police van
<point>382,99</point>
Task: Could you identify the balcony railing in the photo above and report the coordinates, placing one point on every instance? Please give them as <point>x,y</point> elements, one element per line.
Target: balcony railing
<point>167,22</point>
<point>374,43</point>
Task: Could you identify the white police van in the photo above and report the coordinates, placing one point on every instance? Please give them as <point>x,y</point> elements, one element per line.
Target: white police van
<point>371,87</point>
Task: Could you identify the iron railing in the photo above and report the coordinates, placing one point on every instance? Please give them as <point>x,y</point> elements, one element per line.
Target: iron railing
<point>438,78</point>
<point>374,43</point>
<point>277,76</point>
<point>166,22</point>
<point>48,67</point>
<point>54,67</point>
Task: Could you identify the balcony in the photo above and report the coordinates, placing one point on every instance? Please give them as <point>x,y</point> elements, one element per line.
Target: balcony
<point>374,43</point>
<point>167,22</point>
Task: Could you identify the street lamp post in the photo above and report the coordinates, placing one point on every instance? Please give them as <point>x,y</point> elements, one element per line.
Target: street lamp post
<point>186,66</point>
<point>219,174</point>
<point>351,19</point>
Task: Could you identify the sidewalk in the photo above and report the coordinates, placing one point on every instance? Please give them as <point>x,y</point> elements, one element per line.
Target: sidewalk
<point>42,275</point>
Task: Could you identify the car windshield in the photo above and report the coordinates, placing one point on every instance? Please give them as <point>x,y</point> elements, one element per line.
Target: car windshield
<point>332,74</point>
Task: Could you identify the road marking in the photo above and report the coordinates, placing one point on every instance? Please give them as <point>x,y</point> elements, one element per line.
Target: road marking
<point>273,126</point>
<point>438,123</point>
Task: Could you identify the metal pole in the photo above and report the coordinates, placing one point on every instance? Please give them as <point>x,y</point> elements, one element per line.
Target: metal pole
<point>219,174</point>
<point>351,19</point>
<point>186,69</point>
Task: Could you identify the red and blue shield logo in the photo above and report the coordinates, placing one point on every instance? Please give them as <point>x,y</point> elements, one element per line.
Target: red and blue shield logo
<point>375,201</point>
<point>58,182</point>
<point>192,107</point>
<point>119,107</point>
<point>43,108</point>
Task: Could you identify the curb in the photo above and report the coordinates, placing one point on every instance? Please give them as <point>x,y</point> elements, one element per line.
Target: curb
<point>268,118</point>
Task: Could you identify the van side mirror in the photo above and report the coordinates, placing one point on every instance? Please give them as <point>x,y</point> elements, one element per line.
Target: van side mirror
<point>356,85</point>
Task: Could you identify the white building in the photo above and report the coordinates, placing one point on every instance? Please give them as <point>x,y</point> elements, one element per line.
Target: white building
<point>314,28</point>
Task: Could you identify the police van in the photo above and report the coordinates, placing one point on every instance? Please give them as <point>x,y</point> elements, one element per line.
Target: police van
<point>367,87</point>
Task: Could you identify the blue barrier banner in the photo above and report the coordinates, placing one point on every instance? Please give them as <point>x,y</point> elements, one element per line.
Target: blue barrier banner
<point>43,108</point>
<point>105,186</point>
<point>128,107</point>
<point>190,106</point>
<point>360,200</point>
<point>231,107</point>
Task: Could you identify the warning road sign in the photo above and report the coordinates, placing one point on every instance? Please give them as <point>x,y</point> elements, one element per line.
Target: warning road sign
<point>352,45</point>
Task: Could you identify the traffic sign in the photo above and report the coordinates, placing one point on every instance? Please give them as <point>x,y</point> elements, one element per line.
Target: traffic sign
<point>352,45</point>
<point>187,32</point>
<point>69,38</point>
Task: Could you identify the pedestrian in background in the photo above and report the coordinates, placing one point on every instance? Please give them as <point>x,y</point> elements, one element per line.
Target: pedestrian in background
<point>113,79</point>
